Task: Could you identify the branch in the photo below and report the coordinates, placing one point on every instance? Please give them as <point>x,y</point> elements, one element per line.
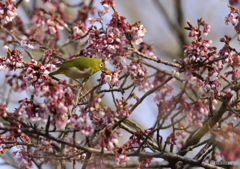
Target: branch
<point>150,92</point>
<point>140,101</point>
<point>154,59</point>
<point>15,39</point>
<point>210,123</point>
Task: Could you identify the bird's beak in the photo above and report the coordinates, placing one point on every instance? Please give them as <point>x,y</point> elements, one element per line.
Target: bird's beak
<point>107,70</point>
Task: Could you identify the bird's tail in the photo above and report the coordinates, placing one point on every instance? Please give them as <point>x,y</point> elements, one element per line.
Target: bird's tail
<point>51,74</point>
<point>55,72</point>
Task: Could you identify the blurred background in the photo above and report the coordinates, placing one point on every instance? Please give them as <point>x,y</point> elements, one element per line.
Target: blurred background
<point>164,22</point>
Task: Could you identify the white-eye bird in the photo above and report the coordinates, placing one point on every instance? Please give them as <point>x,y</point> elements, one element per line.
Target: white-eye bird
<point>80,67</point>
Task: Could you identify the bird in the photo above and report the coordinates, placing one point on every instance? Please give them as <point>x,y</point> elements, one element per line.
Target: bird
<point>80,67</point>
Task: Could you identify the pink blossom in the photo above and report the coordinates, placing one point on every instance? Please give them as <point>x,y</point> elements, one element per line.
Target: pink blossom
<point>121,160</point>
<point>5,48</point>
<point>54,27</point>
<point>206,29</point>
<point>25,162</point>
<point>13,60</point>
<point>228,139</point>
<point>108,78</point>
<point>3,110</point>
<point>107,4</point>
<point>193,33</point>
<point>137,33</point>
<point>7,12</point>
<point>234,2</point>
<point>83,123</point>
<point>36,73</point>
<point>26,44</point>
<point>171,139</point>
<point>38,18</point>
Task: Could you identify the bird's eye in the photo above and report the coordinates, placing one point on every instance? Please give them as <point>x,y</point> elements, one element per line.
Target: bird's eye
<point>101,65</point>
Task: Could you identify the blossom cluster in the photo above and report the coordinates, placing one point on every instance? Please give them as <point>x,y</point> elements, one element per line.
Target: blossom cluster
<point>135,141</point>
<point>228,138</point>
<point>7,12</point>
<point>171,139</point>
<point>3,110</point>
<point>59,101</point>
<point>122,108</point>
<point>121,160</point>
<point>70,150</point>
<point>79,30</point>
<point>135,138</point>
<point>23,159</point>
<point>147,50</point>
<point>138,73</point>
<point>31,112</point>
<point>144,162</point>
<point>137,32</point>
<point>38,18</point>
<point>107,4</point>
<point>54,27</point>
<point>234,2</point>
<point>229,58</point>
<point>200,54</point>
<point>181,133</point>
<point>120,156</point>
<point>82,123</point>
<point>50,63</point>
<point>196,112</point>
<point>26,44</point>
<point>13,60</point>
<point>108,140</point>
<point>50,26</point>
<point>36,74</point>
<point>164,91</point>
<point>112,78</point>
<point>112,44</point>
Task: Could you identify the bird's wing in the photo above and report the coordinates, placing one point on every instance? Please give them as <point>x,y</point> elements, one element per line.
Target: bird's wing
<point>78,63</point>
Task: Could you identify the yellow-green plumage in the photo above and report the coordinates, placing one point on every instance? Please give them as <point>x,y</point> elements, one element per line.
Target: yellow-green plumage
<point>81,67</point>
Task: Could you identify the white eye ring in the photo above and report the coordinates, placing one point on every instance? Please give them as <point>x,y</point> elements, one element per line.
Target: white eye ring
<point>101,65</point>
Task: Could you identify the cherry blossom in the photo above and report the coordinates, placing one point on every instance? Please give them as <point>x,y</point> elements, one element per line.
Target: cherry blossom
<point>26,44</point>
<point>7,12</point>
<point>13,60</point>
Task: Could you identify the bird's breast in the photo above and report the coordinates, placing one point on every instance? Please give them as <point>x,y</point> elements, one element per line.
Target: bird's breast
<point>75,73</point>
